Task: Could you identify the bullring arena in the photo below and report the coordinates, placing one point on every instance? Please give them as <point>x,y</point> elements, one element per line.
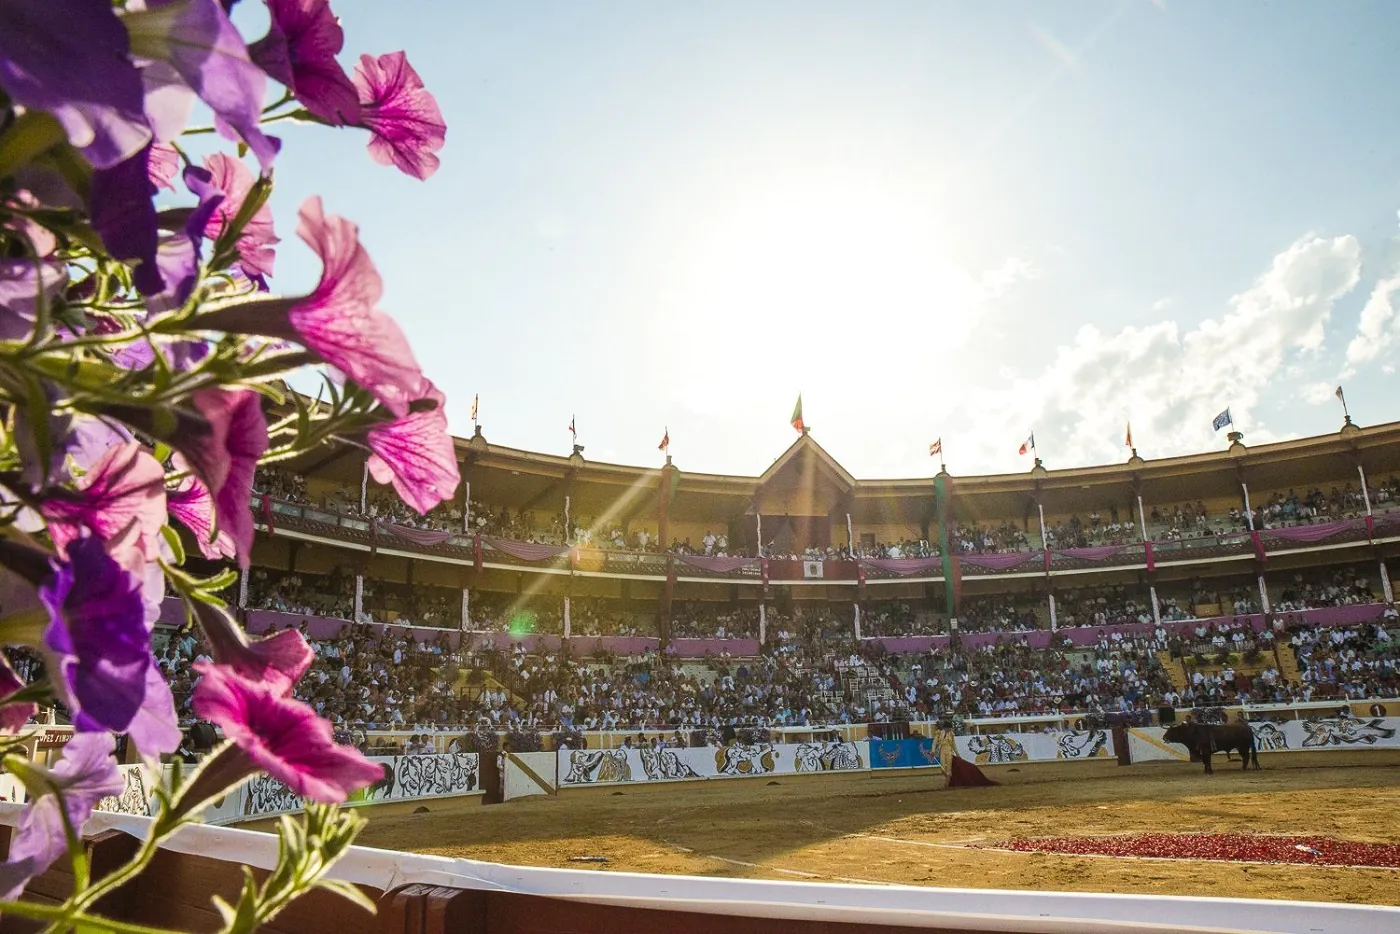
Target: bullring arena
<point>910,829</point>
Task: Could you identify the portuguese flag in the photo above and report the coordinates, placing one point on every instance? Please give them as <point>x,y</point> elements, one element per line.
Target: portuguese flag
<point>797,415</point>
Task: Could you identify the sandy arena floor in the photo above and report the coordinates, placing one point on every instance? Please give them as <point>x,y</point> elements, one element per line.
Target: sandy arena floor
<point>909,829</point>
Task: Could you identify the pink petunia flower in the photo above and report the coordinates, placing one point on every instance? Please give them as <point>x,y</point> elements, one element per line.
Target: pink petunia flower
<point>163,163</point>
<point>278,660</point>
<point>416,454</point>
<point>282,736</point>
<point>13,716</point>
<point>338,321</point>
<point>228,458</point>
<point>299,50</point>
<point>86,773</point>
<point>126,486</point>
<point>192,505</point>
<point>405,124</point>
<point>255,244</point>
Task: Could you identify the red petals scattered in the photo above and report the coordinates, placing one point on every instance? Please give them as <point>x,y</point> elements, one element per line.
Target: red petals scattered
<point>1320,851</point>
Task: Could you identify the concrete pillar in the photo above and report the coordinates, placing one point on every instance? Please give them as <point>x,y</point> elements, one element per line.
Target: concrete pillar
<point>762,623</point>
<point>466,610</point>
<point>857,606</point>
<point>359,596</point>
<point>1156,607</point>
<point>567,622</point>
<point>1385,583</point>
<point>243,589</point>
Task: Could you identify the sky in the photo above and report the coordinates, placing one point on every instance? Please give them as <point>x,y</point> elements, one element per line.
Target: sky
<point>966,221</point>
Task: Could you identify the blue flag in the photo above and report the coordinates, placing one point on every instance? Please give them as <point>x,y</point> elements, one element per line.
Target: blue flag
<point>1221,420</point>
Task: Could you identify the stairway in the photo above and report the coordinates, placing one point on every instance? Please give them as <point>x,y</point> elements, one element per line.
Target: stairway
<point>1175,669</point>
<point>1288,664</point>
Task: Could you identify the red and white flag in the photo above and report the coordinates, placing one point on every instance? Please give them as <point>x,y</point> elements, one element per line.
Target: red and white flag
<point>1028,445</point>
<point>665,441</point>
<point>936,448</point>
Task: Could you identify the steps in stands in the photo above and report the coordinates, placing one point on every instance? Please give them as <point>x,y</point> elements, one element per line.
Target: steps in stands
<point>1175,670</point>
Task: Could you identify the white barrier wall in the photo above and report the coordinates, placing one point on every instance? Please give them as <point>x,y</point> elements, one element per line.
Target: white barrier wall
<point>1071,745</point>
<point>406,778</point>
<point>615,766</point>
<point>1145,744</point>
<point>530,773</point>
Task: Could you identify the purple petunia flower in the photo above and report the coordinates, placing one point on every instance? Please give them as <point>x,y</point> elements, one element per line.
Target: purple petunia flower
<point>180,252</point>
<point>405,125</point>
<point>278,660</point>
<point>19,293</point>
<point>299,50</point>
<point>192,43</point>
<point>124,217</point>
<point>86,773</point>
<point>255,243</point>
<point>416,454</point>
<point>98,638</point>
<point>282,736</point>
<point>227,459</point>
<point>338,321</point>
<point>155,730</point>
<point>13,716</point>
<point>69,57</point>
<point>125,487</point>
<point>191,503</point>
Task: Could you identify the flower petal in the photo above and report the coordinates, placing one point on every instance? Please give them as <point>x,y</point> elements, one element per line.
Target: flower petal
<point>405,124</point>
<point>417,455</point>
<point>127,485</point>
<point>299,50</point>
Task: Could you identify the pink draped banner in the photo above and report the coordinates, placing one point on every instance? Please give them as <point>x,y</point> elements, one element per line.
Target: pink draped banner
<point>1001,562</point>
<point>1314,533</point>
<point>903,566</point>
<point>1102,553</point>
<point>717,565</point>
<point>425,538</point>
<point>525,551</point>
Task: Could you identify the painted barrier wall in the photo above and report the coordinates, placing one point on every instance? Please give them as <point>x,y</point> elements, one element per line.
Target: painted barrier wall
<point>406,778</point>
<point>615,766</point>
<point>1063,745</point>
<point>1321,734</point>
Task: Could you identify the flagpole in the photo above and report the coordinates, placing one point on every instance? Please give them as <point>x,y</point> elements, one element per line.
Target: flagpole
<point>1343,396</point>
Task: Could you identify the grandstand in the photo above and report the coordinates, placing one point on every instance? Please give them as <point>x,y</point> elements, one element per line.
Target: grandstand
<point>599,597</point>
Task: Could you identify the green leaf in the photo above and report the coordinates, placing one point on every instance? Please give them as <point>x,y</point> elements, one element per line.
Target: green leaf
<point>32,134</point>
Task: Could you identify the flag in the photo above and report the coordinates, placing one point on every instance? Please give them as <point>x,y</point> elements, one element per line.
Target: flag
<point>1129,439</point>
<point>1028,444</point>
<point>797,421</point>
<point>1221,420</point>
<point>476,402</point>
<point>665,441</point>
<point>572,430</point>
<point>1340,395</point>
<point>935,448</point>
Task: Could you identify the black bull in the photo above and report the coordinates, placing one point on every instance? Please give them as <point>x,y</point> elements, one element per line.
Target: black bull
<point>1205,740</point>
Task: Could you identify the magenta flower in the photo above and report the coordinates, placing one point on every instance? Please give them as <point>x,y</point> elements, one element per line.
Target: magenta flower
<point>299,50</point>
<point>125,487</point>
<point>338,321</point>
<point>97,638</point>
<point>278,660</point>
<point>13,716</point>
<point>192,44</point>
<point>70,58</point>
<point>162,166</point>
<point>405,125</point>
<point>228,458</point>
<point>86,773</point>
<point>284,737</point>
<point>416,454</point>
<point>155,730</point>
<point>192,505</point>
<point>255,243</point>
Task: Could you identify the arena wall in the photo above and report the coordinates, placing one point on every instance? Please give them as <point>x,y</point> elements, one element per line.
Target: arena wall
<point>1323,734</point>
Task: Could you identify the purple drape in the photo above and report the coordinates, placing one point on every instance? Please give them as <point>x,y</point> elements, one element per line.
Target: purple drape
<point>1101,553</point>
<point>425,538</point>
<point>717,565</point>
<point>904,566</point>
<point>320,627</point>
<point>1314,533</point>
<point>525,551</point>
<point>1001,562</point>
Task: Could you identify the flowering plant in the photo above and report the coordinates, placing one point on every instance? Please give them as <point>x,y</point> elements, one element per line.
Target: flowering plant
<point>140,354</point>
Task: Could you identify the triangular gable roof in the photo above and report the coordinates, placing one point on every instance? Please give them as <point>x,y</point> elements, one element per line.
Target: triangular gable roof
<point>805,446</point>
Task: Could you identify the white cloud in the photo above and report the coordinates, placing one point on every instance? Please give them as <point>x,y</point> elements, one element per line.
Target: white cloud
<point>1374,333</point>
<point>1171,381</point>
<point>999,280</point>
<point>1319,393</point>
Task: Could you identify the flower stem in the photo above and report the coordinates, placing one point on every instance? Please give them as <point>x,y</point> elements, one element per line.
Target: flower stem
<point>84,921</point>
